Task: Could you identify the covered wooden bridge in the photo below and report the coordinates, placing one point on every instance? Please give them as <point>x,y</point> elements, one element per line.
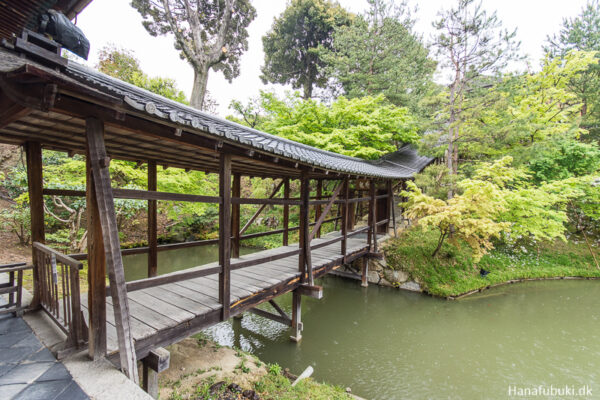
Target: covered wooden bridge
<point>49,103</point>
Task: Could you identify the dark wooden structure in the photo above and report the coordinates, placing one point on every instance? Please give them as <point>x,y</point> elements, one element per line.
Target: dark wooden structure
<point>46,103</point>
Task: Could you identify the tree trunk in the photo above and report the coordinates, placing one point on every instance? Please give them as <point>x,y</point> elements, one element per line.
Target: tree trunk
<point>199,88</point>
<point>307,90</point>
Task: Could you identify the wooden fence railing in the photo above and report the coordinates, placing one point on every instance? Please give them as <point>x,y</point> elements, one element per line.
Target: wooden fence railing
<point>59,292</point>
<point>13,288</point>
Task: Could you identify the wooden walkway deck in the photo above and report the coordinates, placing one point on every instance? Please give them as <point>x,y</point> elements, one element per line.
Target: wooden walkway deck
<point>167,313</point>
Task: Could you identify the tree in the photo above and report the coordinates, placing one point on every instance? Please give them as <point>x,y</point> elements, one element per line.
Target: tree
<point>522,115</point>
<point>379,53</point>
<point>471,44</point>
<point>470,216</point>
<point>582,33</point>
<point>366,127</point>
<point>209,34</point>
<point>292,45</point>
<point>122,64</point>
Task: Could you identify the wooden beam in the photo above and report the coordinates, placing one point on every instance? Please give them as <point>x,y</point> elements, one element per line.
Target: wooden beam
<point>261,208</point>
<point>152,223</point>
<point>313,291</point>
<point>318,207</point>
<point>305,264</point>
<point>365,272</point>
<point>225,233</point>
<point>96,272</point>
<point>235,216</point>
<point>33,152</point>
<point>286,212</point>
<point>296,316</point>
<point>373,216</point>
<point>319,222</point>
<point>345,218</point>
<point>155,362</point>
<point>273,317</point>
<point>393,206</point>
<point>112,248</point>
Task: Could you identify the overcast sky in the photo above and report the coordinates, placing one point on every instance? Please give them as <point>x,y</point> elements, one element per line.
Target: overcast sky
<point>114,21</point>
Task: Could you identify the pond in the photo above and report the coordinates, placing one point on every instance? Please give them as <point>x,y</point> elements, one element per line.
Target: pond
<point>136,265</point>
<point>390,344</point>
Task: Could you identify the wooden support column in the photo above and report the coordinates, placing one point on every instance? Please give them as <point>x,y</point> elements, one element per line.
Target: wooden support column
<point>235,216</point>
<point>286,212</point>
<point>346,195</point>
<point>112,247</point>
<point>318,206</point>
<point>373,213</point>
<point>296,316</point>
<point>96,271</point>
<point>157,361</point>
<point>351,212</point>
<point>152,223</point>
<point>225,233</point>
<point>392,206</point>
<point>33,151</point>
<point>305,263</point>
<point>365,272</point>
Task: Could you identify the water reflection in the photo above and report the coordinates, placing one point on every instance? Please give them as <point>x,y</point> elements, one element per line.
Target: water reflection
<point>388,344</point>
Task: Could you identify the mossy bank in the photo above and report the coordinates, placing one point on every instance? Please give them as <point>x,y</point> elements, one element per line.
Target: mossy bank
<point>453,272</point>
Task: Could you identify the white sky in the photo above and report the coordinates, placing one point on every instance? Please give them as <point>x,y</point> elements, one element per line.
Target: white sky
<point>115,21</point>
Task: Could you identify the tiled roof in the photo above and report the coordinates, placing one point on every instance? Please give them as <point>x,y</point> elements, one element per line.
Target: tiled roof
<point>401,164</point>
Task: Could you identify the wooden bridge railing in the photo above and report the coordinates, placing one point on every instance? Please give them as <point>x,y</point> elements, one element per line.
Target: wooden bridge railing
<point>13,288</point>
<point>59,291</point>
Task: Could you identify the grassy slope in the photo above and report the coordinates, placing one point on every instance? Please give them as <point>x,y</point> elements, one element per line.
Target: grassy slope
<point>453,272</point>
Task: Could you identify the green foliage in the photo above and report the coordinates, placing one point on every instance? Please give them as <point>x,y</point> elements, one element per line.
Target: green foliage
<point>379,53</point>
<point>471,216</point>
<point>563,158</point>
<point>366,127</point>
<point>122,64</point>
<point>582,33</point>
<point>274,385</point>
<point>292,45</point>
<point>16,219</point>
<point>435,181</point>
<point>453,272</point>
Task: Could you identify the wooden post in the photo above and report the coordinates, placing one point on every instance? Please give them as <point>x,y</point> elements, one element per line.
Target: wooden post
<point>112,246</point>
<point>296,316</point>
<point>304,259</point>
<point>373,210</point>
<point>351,211</point>
<point>235,216</point>
<point>96,271</point>
<point>225,233</point>
<point>156,361</point>
<point>286,211</point>
<point>365,272</point>
<point>318,206</point>
<point>346,190</point>
<point>391,208</point>
<point>33,151</point>
<point>152,223</point>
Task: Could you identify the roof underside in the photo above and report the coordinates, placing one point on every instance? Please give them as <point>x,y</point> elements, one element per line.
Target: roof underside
<point>143,126</point>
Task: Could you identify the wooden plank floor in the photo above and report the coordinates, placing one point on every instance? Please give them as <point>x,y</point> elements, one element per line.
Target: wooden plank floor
<point>164,314</point>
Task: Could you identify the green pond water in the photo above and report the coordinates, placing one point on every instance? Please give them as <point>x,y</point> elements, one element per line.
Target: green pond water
<point>391,344</point>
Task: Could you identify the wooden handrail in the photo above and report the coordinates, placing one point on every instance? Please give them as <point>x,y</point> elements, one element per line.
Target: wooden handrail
<point>134,194</point>
<point>59,256</point>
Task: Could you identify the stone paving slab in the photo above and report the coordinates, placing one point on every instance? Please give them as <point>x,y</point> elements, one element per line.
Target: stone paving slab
<point>28,370</point>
